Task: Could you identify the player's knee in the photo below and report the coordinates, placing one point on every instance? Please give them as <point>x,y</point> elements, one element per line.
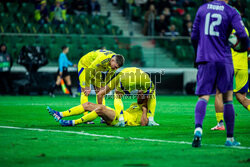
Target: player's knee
<point>86,105</point>
<point>100,110</point>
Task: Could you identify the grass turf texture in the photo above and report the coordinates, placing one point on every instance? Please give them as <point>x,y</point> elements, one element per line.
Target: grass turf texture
<point>174,113</point>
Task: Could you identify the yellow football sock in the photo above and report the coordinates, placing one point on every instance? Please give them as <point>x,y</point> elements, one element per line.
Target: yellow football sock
<point>86,118</point>
<point>219,116</point>
<point>118,104</point>
<point>151,105</point>
<point>73,111</point>
<point>103,100</point>
<point>86,113</point>
<point>248,107</point>
<point>84,98</point>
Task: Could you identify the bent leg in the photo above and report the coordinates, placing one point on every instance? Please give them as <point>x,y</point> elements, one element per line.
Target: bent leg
<point>73,111</point>
<point>68,83</point>
<point>106,113</point>
<point>82,82</point>
<point>118,101</point>
<point>151,105</point>
<point>84,98</point>
<point>241,97</point>
<point>98,110</point>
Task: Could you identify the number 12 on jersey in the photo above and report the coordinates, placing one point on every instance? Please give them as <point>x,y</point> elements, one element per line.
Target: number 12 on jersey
<point>209,27</point>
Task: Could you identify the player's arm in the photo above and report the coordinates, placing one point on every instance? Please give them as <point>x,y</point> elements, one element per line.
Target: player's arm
<point>239,27</point>
<point>195,35</point>
<point>144,119</point>
<point>69,62</point>
<point>102,93</point>
<point>143,99</point>
<point>113,83</point>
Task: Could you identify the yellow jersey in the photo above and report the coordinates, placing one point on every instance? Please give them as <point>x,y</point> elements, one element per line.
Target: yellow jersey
<point>132,116</point>
<point>240,60</point>
<point>130,79</point>
<point>96,62</point>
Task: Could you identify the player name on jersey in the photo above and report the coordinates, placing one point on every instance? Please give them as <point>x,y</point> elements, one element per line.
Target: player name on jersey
<point>215,7</point>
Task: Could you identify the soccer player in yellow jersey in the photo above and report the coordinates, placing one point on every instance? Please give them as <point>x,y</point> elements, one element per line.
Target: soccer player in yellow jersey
<point>240,61</point>
<point>127,80</point>
<point>90,67</point>
<point>135,115</point>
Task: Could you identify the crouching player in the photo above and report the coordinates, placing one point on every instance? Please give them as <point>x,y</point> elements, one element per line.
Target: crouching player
<point>125,82</point>
<point>135,115</point>
<point>90,67</point>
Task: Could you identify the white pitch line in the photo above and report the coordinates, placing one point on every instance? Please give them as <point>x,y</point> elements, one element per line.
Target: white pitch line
<point>119,137</point>
<point>67,104</point>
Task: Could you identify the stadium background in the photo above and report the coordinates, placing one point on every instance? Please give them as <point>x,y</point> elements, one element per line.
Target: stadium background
<point>119,26</point>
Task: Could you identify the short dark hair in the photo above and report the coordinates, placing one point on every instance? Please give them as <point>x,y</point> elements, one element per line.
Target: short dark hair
<point>119,60</point>
<point>64,47</point>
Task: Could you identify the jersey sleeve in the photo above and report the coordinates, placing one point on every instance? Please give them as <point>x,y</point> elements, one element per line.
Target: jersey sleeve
<point>69,62</point>
<point>196,27</point>
<point>195,35</point>
<point>239,27</point>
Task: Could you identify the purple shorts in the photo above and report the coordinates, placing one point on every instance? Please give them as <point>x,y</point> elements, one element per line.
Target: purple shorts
<point>212,76</point>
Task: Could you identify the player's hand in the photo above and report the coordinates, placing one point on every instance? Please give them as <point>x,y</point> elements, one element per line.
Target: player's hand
<point>87,91</point>
<point>144,120</point>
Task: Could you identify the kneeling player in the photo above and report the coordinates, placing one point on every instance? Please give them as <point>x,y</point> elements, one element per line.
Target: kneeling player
<point>126,81</point>
<point>135,115</point>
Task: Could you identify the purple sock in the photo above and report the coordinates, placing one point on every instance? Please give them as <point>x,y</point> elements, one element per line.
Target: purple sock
<point>229,116</point>
<point>200,112</point>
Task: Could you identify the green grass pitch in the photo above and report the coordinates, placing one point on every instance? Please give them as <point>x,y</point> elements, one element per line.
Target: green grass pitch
<point>123,146</point>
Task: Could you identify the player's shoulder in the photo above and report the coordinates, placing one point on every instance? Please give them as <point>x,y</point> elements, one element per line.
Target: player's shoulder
<point>202,8</point>
<point>231,10</point>
<point>62,55</point>
<point>129,69</point>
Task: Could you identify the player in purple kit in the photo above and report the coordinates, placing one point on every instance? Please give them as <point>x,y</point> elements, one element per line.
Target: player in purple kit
<point>213,24</point>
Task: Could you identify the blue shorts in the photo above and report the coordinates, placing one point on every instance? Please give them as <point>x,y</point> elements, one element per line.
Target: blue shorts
<point>212,76</point>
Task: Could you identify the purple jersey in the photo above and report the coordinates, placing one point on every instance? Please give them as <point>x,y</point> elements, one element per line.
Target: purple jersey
<point>212,26</point>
